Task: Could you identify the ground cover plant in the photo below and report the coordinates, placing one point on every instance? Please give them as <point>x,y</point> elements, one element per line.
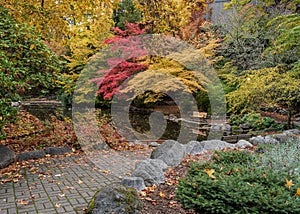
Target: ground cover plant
<point>256,121</point>
<point>232,183</point>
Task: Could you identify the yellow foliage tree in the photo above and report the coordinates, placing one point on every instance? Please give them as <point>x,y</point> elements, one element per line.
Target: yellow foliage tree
<point>58,20</point>
<point>168,16</point>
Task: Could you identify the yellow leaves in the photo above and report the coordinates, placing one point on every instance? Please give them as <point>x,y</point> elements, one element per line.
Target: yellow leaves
<point>165,16</point>
<point>210,173</point>
<point>32,46</point>
<point>289,183</point>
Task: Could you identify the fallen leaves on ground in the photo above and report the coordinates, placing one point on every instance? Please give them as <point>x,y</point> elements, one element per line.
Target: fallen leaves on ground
<point>29,133</point>
<point>22,202</point>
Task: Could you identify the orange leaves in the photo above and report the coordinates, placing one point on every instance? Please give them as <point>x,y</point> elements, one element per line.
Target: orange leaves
<point>29,133</point>
<point>22,202</point>
<point>162,194</point>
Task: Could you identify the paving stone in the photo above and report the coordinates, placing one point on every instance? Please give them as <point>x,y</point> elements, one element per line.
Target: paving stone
<point>72,170</point>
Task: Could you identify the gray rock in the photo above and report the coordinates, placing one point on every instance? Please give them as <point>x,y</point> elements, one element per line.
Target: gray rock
<point>292,132</point>
<point>194,148</point>
<point>264,140</point>
<point>57,150</point>
<point>154,144</point>
<point>227,129</point>
<point>30,155</point>
<point>134,182</point>
<point>281,138</point>
<point>171,152</point>
<point>217,127</point>
<point>216,145</point>
<point>270,140</point>
<point>115,198</point>
<point>151,171</point>
<point>245,126</point>
<point>7,156</point>
<point>100,146</point>
<point>243,144</point>
<point>138,142</point>
<point>257,140</point>
<point>155,162</point>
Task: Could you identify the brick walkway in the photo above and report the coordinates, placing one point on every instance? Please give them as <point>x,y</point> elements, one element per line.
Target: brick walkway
<point>65,184</point>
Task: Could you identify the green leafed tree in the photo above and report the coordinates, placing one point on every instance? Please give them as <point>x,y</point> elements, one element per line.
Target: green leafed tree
<point>266,88</point>
<point>126,12</point>
<point>27,66</point>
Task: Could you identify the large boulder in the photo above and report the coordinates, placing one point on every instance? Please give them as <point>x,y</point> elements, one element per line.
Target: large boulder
<point>151,171</point>
<point>31,155</point>
<point>216,145</point>
<point>134,182</point>
<point>115,198</point>
<point>7,156</point>
<point>171,152</point>
<point>194,148</point>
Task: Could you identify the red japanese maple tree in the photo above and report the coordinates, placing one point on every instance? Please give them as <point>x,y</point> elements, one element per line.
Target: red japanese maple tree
<point>128,48</point>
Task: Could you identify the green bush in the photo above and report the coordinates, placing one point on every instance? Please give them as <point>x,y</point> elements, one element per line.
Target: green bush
<point>257,122</point>
<point>231,183</point>
<point>281,158</point>
<point>27,66</point>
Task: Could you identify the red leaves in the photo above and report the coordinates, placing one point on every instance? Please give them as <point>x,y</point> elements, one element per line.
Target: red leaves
<point>121,68</point>
<point>131,29</point>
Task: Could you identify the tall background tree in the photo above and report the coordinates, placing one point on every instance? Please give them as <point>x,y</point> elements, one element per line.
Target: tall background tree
<point>260,56</point>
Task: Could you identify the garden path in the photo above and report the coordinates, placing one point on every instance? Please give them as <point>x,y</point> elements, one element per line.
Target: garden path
<point>65,184</point>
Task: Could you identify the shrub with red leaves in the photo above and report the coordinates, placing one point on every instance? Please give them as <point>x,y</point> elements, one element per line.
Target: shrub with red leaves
<point>128,47</point>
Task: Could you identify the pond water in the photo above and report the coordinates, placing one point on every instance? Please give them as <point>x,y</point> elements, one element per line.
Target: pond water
<point>144,124</point>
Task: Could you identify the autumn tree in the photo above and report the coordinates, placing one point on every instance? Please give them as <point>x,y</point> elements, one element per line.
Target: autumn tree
<point>124,63</point>
<point>55,20</point>
<point>168,16</point>
<point>260,57</point>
